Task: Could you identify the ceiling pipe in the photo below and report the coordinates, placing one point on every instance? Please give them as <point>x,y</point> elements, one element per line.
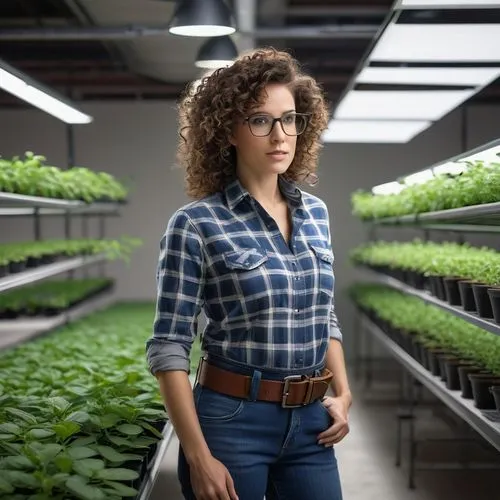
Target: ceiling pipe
<point>245,12</point>
<point>135,31</point>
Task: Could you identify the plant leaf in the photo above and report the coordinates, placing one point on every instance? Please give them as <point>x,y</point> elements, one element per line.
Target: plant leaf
<point>79,452</point>
<point>114,456</point>
<point>78,416</point>
<point>10,428</point>
<point>121,489</point>
<point>23,415</point>
<point>78,486</point>
<point>66,429</point>
<point>47,452</point>
<point>40,433</point>
<point>64,463</point>
<point>129,429</point>
<point>88,466</point>
<point>83,441</point>
<point>5,486</point>
<point>152,429</point>
<point>117,474</point>
<point>120,441</point>
<point>60,403</point>
<point>21,479</point>
<point>109,420</point>
<point>19,462</point>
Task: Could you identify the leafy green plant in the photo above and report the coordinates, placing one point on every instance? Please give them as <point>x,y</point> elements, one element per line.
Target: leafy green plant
<point>114,249</point>
<point>80,408</point>
<point>57,294</point>
<point>30,176</point>
<point>433,259</point>
<point>431,324</point>
<point>478,184</point>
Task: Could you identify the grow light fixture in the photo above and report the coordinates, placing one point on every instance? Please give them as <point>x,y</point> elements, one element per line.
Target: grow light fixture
<point>428,76</point>
<point>202,18</point>
<point>400,104</point>
<point>438,43</point>
<point>22,86</point>
<point>373,131</point>
<point>447,4</point>
<point>388,188</point>
<point>216,53</point>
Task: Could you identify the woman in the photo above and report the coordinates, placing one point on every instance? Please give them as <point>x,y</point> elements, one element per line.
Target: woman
<point>254,252</point>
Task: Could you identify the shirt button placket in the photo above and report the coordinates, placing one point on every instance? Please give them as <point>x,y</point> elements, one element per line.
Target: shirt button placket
<point>299,301</point>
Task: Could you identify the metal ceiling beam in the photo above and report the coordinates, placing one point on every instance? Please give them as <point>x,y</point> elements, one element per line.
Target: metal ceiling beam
<point>335,11</point>
<point>134,31</point>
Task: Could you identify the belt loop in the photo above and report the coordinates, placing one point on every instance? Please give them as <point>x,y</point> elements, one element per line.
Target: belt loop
<point>254,385</point>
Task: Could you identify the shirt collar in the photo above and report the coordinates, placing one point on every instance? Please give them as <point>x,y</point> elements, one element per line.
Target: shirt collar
<point>235,192</point>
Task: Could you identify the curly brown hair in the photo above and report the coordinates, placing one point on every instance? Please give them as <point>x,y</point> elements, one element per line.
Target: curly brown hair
<point>208,113</point>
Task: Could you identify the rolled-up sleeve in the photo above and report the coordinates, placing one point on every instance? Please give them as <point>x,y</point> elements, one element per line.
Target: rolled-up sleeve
<point>180,277</point>
<point>335,331</point>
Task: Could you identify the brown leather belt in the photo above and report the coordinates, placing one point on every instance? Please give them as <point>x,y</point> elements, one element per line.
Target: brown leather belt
<point>292,392</point>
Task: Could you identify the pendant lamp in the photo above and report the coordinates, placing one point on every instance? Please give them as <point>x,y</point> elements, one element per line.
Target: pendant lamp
<point>202,18</point>
<point>216,53</point>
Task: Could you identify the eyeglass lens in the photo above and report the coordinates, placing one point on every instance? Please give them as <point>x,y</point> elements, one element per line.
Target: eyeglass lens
<point>291,123</point>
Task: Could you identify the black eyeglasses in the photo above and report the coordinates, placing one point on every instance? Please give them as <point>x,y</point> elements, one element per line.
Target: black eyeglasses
<point>291,123</point>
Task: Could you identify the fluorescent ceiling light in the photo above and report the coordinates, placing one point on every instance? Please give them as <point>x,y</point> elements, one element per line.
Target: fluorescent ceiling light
<point>48,102</point>
<point>388,188</point>
<point>202,18</point>
<point>438,43</point>
<point>429,76</point>
<point>372,131</point>
<point>443,4</point>
<point>419,177</point>
<point>400,104</point>
<point>217,52</point>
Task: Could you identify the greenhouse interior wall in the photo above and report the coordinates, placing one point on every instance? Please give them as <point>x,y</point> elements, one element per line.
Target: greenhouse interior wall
<point>136,142</point>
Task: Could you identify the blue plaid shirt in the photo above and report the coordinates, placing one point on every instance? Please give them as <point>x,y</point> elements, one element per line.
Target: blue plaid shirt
<point>269,304</point>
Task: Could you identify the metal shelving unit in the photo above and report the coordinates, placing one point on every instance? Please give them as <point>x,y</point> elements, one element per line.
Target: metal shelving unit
<point>470,317</point>
<point>42,272</point>
<point>464,408</point>
<point>483,218</point>
<point>12,204</point>
<point>14,332</point>
<point>476,218</point>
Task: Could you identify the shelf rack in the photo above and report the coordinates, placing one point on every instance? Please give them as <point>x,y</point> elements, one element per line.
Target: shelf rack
<point>483,218</point>
<point>476,218</point>
<point>40,273</point>
<point>464,408</point>
<point>470,317</point>
<point>12,204</point>
<point>15,332</point>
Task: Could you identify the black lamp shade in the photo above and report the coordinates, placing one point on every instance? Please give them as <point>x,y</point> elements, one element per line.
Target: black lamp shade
<point>202,18</point>
<point>216,52</point>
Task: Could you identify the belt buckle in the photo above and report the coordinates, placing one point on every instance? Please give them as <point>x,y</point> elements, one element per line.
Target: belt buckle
<point>286,392</point>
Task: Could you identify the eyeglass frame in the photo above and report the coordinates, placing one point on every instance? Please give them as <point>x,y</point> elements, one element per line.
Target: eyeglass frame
<point>305,115</point>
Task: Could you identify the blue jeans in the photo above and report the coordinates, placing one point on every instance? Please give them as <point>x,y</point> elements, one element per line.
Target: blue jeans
<point>269,450</point>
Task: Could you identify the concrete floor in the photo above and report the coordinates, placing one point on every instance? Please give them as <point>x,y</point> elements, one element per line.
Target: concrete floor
<point>366,457</point>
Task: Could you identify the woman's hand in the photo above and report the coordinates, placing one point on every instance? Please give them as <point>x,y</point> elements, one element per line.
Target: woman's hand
<point>338,408</point>
<point>211,481</point>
